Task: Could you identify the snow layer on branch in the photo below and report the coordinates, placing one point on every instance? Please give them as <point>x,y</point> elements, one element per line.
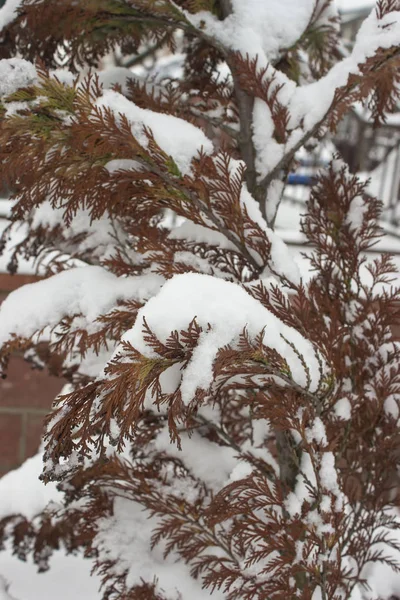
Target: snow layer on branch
<point>307,104</point>
<point>8,12</point>
<point>312,101</point>
<point>21,492</point>
<point>192,232</point>
<point>281,260</point>
<point>228,309</point>
<point>259,27</point>
<point>269,151</point>
<point>15,73</point>
<point>90,291</point>
<point>177,138</point>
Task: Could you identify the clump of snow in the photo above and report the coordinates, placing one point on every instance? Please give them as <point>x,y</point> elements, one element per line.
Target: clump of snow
<point>391,406</point>
<point>90,291</point>
<point>328,473</point>
<point>119,164</point>
<point>228,309</point>
<point>177,138</point>
<point>241,471</point>
<point>317,433</point>
<point>15,73</point>
<point>342,409</point>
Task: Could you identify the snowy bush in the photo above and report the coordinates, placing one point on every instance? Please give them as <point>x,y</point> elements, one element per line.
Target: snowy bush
<point>227,428</point>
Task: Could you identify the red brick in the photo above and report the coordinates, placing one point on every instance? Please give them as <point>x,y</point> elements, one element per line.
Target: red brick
<point>12,282</point>
<point>396,331</point>
<point>27,387</point>
<point>10,436</point>
<point>33,434</point>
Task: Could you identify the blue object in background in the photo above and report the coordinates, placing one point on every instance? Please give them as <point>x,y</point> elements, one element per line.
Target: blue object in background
<point>296,179</point>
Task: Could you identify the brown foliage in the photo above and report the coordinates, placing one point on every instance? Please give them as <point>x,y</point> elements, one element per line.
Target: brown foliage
<point>281,525</point>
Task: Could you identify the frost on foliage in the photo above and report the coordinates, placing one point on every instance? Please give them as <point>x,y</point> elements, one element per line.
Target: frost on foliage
<point>202,297</point>
<point>87,291</point>
<point>177,138</point>
<point>15,73</point>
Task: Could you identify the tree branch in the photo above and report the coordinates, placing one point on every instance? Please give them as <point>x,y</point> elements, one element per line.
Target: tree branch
<point>245,104</point>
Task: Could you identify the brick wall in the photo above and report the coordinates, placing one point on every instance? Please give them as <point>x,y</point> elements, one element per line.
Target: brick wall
<point>26,396</point>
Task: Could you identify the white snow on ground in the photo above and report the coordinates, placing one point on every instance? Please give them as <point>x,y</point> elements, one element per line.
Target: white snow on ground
<point>69,577</point>
<point>13,487</point>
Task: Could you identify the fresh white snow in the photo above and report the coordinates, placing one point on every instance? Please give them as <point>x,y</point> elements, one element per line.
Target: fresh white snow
<point>192,295</point>
<point>15,73</point>
<point>87,291</point>
<point>178,138</point>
